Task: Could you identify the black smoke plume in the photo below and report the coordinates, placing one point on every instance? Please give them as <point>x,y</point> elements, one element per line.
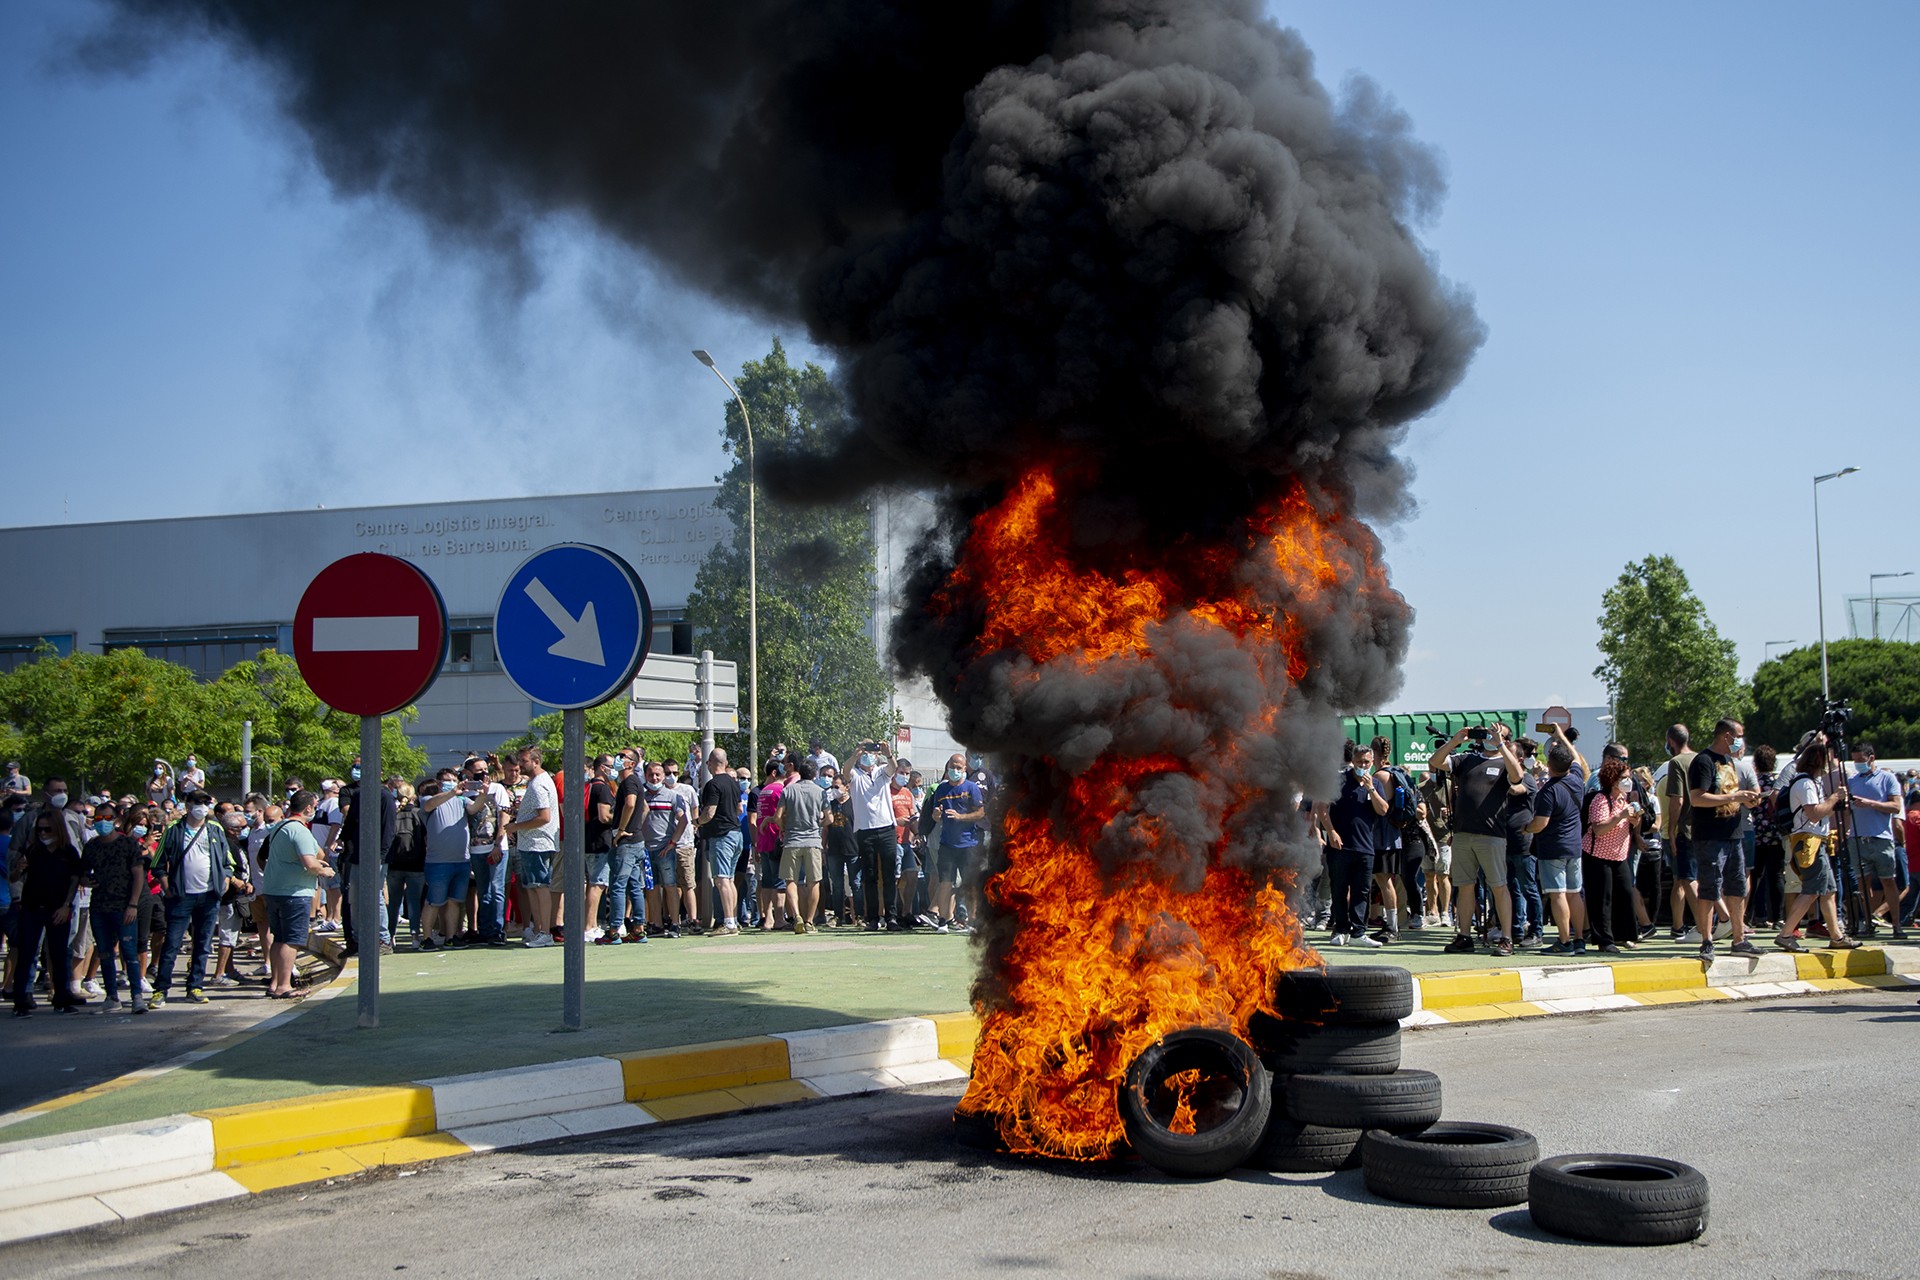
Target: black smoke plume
<point>1137,234</point>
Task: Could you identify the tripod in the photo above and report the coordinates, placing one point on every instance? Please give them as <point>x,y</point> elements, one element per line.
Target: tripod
<point>1857,915</point>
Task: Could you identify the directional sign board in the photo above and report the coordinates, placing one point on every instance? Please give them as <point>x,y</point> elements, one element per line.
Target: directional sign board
<point>667,695</point>
<point>573,626</point>
<point>370,634</point>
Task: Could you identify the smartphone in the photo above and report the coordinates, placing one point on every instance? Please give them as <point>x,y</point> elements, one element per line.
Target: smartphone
<point>1543,728</point>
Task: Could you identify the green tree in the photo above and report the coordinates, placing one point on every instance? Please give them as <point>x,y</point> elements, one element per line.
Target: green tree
<point>294,735</point>
<point>1665,662</point>
<point>1880,679</point>
<point>100,720</point>
<point>818,670</point>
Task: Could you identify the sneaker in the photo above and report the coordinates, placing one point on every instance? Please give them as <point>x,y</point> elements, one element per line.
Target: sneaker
<point>1842,943</point>
<point>670,932</point>
<point>1787,942</point>
<point>595,934</point>
<point>1579,946</point>
<point>539,940</point>
<point>1723,930</point>
<point>1706,953</point>
<point>1367,940</point>
<point>1899,933</point>
<point>386,948</point>
<point>873,926</point>
<point>1691,935</point>
<point>926,922</point>
<point>727,931</point>
<point>427,944</point>
<point>140,1006</point>
<point>1648,930</point>
<point>458,942</point>
<point>196,995</point>
<point>1610,949</point>
<point>226,980</point>
<point>1743,948</point>
<point>1460,946</point>
<point>1385,936</point>
<point>92,988</point>
<point>156,1000</point>
<point>526,935</point>
<point>962,927</point>
<point>1503,948</point>
<point>559,934</point>
<point>1338,940</point>
<point>607,940</point>
<point>1558,949</point>
<point>1416,923</point>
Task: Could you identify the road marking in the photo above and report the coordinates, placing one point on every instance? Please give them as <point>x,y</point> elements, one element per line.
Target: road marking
<point>366,635</point>
<point>579,637</point>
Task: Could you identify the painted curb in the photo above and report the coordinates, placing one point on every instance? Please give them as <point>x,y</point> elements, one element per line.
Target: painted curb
<point>64,1183</point>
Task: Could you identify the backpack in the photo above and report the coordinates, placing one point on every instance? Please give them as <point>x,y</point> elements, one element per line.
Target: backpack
<point>483,824</point>
<point>1403,803</point>
<point>409,852</point>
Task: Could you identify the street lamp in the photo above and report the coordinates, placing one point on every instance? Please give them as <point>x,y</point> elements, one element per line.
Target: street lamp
<point>1767,656</point>
<point>1873,599</point>
<point>1819,578</point>
<point>753,575</point>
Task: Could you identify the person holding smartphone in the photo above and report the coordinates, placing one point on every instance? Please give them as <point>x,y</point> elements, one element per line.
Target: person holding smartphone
<point>1485,781</point>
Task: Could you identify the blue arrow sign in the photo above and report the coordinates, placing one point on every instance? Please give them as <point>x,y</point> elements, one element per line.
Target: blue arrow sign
<point>573,626</point>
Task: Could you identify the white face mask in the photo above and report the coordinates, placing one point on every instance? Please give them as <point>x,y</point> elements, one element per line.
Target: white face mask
<point>58,799</point>
<point>139,829</point>
<point>197,812</point>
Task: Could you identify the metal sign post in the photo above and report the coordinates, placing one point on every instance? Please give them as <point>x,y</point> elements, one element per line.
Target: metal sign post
<point>366,877</point>
<point>573,848</point>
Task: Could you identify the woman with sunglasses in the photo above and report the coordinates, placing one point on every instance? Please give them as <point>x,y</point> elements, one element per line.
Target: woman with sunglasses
<point>49,867</point>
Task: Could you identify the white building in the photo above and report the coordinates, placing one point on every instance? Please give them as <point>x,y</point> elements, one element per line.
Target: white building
<point>210,591</point>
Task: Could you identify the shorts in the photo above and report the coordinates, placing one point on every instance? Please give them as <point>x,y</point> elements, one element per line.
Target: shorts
<point>1874,856</point>
<point>287,919</point>
<point>802,864</point>
<point>1818,878</point>
<point>1560,875</point>
<point>905,860</point>
<point>685,866</point>
<point>536,869</point>
<point>724,851</point>
<point>949,862</point>
<point>770,877</point>
<point>1680,858</point>
<point>1476,855</point>
<point>228,927</point>
<point>1723,868</point>
<point>664,868</point>
<point>600,869</point>
<point>447,882</point>
<point>1439,862</point>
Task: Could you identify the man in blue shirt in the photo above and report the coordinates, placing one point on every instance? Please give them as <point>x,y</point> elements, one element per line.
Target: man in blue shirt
<point>1555,824</point>
<point>1876,803</point>
<point>954,841</point>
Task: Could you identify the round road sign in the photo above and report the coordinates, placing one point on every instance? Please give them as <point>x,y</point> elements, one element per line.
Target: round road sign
<point>572,626</point>
<point>370,634</point>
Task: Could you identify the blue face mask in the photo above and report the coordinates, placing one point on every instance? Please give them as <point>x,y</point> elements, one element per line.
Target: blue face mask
<point>1863,766</point>
<point>447,785</point>
<point>103,825</point>
<point>866,760</point>
<point>139,829</point>
<point>354,773</point>
<point>954,775</point>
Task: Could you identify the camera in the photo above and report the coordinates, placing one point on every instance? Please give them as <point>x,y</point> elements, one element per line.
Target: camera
<point>1478,735</point>
<point>1833,718</point>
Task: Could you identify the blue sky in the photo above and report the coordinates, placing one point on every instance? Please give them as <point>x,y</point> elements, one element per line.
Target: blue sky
<point>1689,229</point>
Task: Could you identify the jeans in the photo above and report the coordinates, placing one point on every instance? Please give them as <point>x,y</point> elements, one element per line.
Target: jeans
<point>627,887</point>
<point>1910,899</point>
<point>490,880</point>
<point>116,936</point>
<point>34,933</point>
<point>348,929</point>
<point>1523,882</point>
<point>410,887</point>
<point>1352,876</point>
<point>875,854</point>
<point>843,874</point>
<point>200,910</point>
<point>1769,885</point>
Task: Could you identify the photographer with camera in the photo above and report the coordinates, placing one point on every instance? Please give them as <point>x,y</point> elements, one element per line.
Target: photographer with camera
<point>1351,828</point>
<point>1717,800</point>
<point>1485,780</point>
<point>1875,799</point>
<point>1813,800</point>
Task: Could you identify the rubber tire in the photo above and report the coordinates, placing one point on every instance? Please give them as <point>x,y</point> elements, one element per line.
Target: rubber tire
<point>1304,1048</point>
<point>1404,1102</point>
<point>1667,1204</point>
<point>1291,1147</point>
<point>1349,994</point>
<point>1219,1150</point>
<point>1451,1165</point>
<point>978,1131</point>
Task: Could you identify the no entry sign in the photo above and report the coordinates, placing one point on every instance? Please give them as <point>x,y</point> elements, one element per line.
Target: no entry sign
<point>370,634</point>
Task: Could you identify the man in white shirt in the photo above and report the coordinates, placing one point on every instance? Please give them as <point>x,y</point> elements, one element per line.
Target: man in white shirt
<point>537,836</point>
<point>325,828</point>
<point>1813,798</point>
<point>870,785</point>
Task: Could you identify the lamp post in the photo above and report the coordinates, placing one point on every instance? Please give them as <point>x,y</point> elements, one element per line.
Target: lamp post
<point>1819,577</point>
<point>1767,656</point>
<point>1873,599</point>
<point>753,575</point>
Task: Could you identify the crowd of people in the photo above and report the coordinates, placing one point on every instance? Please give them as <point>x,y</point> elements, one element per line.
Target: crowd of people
<point>112,899</point>
<point>1512,843</point>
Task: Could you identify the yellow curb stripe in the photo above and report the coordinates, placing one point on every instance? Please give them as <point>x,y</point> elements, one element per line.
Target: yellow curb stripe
<point>1442,991</point>
<point>1525,1009</point>
<point>345,1118</point>
<point>957,1034</point>
<point>1474,1013</point>
<point>1654,975</point>
<point>1664,997</point>
<point>428,1146</point>
<point>692,1106</point>
<point>271,1175</point>
<point>654,1074</point>
<point>1866,962</point>
<point>775,1094</point>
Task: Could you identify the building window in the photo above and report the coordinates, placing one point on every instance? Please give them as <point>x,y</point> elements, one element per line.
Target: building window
<point>208,652</point>
<point>470,646</point>
<point>18,651</point>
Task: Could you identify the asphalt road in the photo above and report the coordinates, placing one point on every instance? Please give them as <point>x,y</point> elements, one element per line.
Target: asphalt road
<point>1801,1113</point>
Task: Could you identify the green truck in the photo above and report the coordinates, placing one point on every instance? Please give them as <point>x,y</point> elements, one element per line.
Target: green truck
<point>1415,736</point>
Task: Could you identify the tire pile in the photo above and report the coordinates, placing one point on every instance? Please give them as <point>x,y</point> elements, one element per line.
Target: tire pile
<point>1320,1088</point>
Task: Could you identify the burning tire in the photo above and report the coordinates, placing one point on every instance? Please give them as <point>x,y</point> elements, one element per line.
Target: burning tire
<point>1616,1199</point>
<point>1451,1165</point>
<point>978,1131</point>
<point>1196,1103</point>
<point>1302,1048</point>
<point>1289,1146</point>
<point>1404,1102</point>
<point>1350,995</point>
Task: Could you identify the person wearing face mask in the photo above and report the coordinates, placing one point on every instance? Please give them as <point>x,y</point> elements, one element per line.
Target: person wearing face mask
<point>114,866</point>
<point>1351,825</point>
<point>192,778</point>
<point>17,783</point>
<point>48,867</point>
<point>906,855</point>
<point>294,863</point>
<point>953,840</point>
<point>197,867</point>
<point>870,783</point>
<point>160,783</point>
<point>1875,803</point>
<point>58,801</point>
<point>1715,799</point>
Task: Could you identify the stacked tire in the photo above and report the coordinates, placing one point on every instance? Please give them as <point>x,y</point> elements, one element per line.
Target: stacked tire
<point>1334,1051</point>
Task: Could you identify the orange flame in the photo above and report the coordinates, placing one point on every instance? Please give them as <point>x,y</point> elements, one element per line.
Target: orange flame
<point>1182,1084</point>
<point>1105,962</point>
